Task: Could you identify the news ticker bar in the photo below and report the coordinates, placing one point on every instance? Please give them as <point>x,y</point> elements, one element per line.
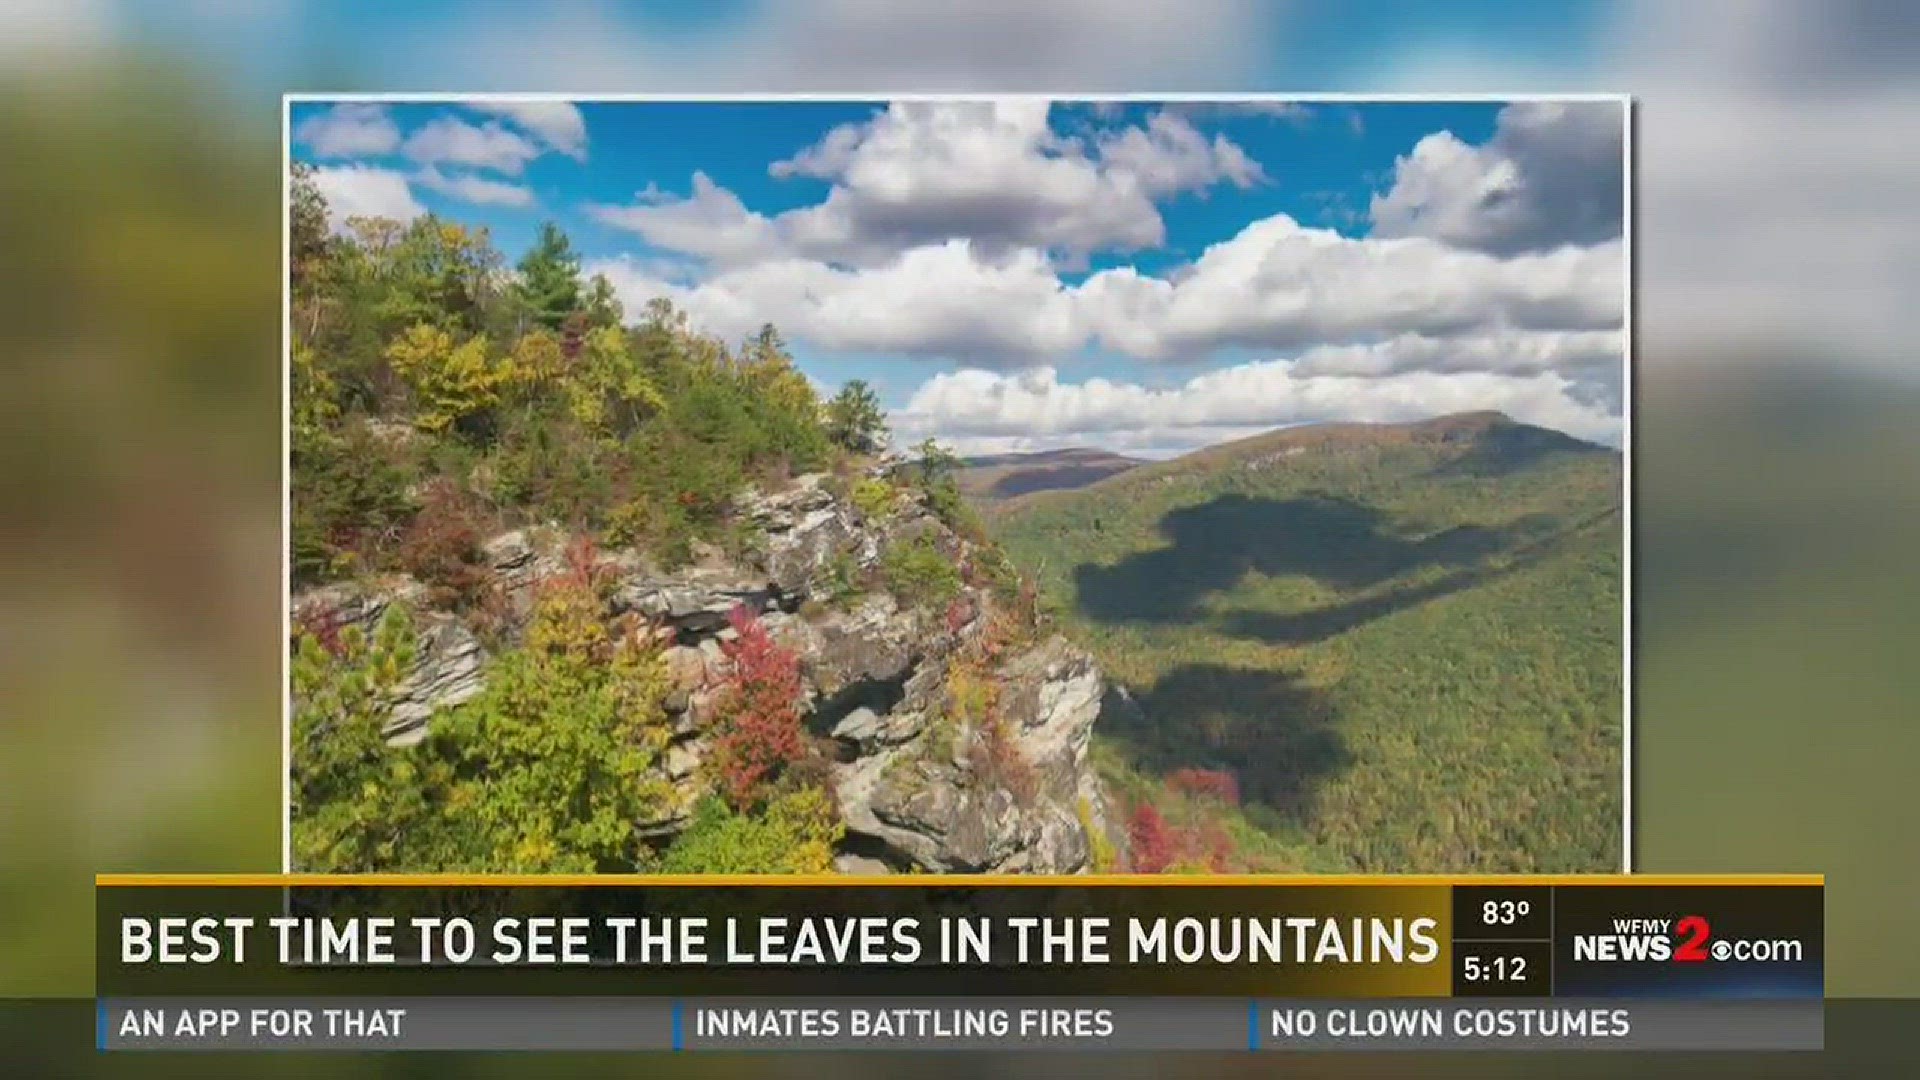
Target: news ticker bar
<point>879,1024</point>
<point>1336,938</point>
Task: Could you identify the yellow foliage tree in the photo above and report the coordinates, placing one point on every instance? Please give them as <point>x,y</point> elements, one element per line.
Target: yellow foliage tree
<point>537,356</point>
<point>450,382</point>
<point>315,393</point>
<point>769,369</point>
<point>608,390</point>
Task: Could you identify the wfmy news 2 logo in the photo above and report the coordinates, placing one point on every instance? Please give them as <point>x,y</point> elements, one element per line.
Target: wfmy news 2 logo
<point>1688,939</point>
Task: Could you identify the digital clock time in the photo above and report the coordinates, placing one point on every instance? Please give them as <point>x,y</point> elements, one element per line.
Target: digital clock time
<point>1494,969</point>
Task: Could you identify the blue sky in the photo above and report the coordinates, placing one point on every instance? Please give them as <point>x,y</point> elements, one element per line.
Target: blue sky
<point>1334,156</point>
<point>1023,274</point>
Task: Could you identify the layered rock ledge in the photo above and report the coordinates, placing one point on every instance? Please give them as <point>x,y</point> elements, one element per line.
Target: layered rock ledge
<point>922,782</point>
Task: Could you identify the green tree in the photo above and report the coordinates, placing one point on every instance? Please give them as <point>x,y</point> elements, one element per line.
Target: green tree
<point>349,499</point>
<point>766,348</point>
<point>936,473</point>
<point>794,834</point>
<point>557,757</point>
<point>357,804</point>
<point>315,398</point>
<point>918,573</point>
<point>663,316</point>
<point>307,246</point>
<point>430,270</point>
<point>854,418</point>
<point>549,283</point>
<point>602,306</point>
<point>785,409</point>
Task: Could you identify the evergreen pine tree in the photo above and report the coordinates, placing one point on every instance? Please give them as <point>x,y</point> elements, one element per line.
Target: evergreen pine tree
<point>855,419</point>
<point>549,282</point>
<point>602,306</point>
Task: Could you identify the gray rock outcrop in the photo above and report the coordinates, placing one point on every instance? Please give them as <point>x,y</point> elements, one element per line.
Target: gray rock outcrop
<point>448,659</point>
<point>935,792</point>
<point>924,779</point>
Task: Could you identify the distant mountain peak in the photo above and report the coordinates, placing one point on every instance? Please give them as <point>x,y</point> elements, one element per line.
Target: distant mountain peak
<point>1002,476</point>
<point>1036,457</point>
<point>1477,420</point>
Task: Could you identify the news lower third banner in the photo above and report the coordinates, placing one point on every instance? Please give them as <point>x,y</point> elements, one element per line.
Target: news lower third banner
<point>296,962</point>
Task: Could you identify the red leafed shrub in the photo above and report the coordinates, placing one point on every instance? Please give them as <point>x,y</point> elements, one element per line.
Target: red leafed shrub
<point>1005,765</point>
<point>573,332</point>
<point>757,716</point>
<point>1157,846</point>
<point>959,614</point>
<point>1208,845</point>
<point>584,570</point>
<point>324,623</point>
<point>1216,784</point>
<point>441,547</point>
<point>1151,844</point>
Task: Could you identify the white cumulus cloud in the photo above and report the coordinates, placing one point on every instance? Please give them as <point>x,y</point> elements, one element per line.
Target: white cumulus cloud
<point>557,124</point>
<point>1513,352</point>
<point>349,130</point>
<point>950,230</point>
<point>447,140</point>
<point>475,189</point>
<point>1552,174</point>
<point>985,412</point>
<point>936,300</point>
<point>1169,155</point>
<point>993,172</point>
<point>1280,285</point>
<point>710,223</point>
<point>1274,286</point>
<point>365,191</point>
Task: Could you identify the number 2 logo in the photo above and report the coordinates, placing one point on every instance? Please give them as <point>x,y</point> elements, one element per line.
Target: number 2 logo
<point>1693,932</point>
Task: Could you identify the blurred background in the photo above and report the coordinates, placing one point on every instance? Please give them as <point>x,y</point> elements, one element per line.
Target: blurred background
<point>1777,244</point>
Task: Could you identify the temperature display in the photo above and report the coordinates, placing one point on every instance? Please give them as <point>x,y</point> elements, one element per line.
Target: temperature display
<point>1502,913</point>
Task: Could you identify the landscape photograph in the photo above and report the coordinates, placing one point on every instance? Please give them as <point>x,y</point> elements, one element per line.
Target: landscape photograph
<point>956,485</point>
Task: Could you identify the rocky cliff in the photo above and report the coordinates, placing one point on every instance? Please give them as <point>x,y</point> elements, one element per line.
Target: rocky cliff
<point>957,745</point>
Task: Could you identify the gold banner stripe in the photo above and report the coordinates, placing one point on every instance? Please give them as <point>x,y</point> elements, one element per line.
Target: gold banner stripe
<point>944,880</point>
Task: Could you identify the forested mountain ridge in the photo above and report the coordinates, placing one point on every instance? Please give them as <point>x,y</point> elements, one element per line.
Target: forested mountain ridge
<point>993,478</point>
<point>1360,647</point>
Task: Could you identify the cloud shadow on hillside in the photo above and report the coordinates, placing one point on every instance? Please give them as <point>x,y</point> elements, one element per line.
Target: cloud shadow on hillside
<point>1335,541</point>
<point>1530,546</point>
<point>1052,478</point>
<point>1276,736</point>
